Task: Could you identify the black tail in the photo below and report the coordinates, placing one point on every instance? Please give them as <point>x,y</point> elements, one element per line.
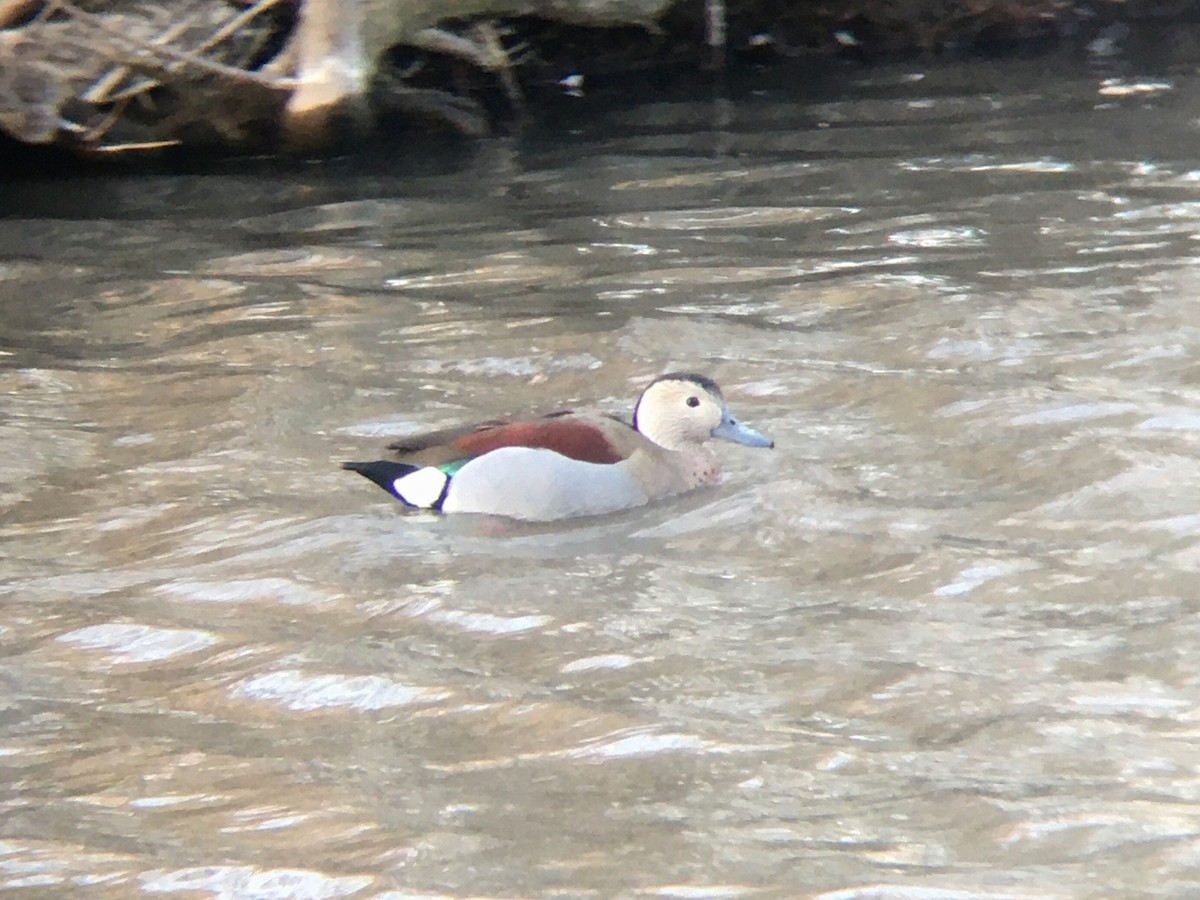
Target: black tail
<point>383,472</point>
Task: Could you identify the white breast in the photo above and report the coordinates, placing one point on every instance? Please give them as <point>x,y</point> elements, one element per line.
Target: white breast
<point>537,484</point>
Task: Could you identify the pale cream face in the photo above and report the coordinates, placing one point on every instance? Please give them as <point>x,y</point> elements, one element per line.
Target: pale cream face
<point>677,413</point>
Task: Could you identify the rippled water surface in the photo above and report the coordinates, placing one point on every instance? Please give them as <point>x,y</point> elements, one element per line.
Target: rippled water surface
<point>941,643</point>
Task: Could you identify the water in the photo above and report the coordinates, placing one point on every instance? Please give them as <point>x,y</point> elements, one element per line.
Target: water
<point>940,643</point>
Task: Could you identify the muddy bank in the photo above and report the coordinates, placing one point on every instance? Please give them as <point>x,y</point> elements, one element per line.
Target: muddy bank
<point>129,77</point>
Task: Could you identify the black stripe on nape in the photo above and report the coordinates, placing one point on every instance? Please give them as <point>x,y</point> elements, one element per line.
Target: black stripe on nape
<point>703,380</point>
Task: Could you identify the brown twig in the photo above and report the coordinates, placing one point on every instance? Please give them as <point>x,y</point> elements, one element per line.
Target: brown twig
<point>158,58</point>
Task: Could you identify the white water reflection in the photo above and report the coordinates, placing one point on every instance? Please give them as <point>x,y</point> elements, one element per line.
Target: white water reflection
<point>138,643</point>
<point>244,881</point>
<point>304,692</point>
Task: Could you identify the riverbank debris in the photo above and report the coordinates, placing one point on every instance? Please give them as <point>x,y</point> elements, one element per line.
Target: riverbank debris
<point>137,76</point>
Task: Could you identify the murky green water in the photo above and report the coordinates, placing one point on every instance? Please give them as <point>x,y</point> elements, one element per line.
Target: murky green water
<point>942,642</point>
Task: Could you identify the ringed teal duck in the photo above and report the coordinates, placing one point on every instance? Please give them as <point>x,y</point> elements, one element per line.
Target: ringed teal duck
<point>568,463</point>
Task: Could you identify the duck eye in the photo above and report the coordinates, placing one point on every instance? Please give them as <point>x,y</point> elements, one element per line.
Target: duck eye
<point>693,402</point>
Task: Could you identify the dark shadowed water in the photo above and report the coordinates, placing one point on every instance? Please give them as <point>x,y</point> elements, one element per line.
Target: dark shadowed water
<point>943,642</point>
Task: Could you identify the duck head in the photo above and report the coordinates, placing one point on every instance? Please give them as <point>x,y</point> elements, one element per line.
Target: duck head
<point>682,410</point>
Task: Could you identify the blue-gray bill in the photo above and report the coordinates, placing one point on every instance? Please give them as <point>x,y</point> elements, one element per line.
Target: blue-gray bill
<point>731,429</point>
